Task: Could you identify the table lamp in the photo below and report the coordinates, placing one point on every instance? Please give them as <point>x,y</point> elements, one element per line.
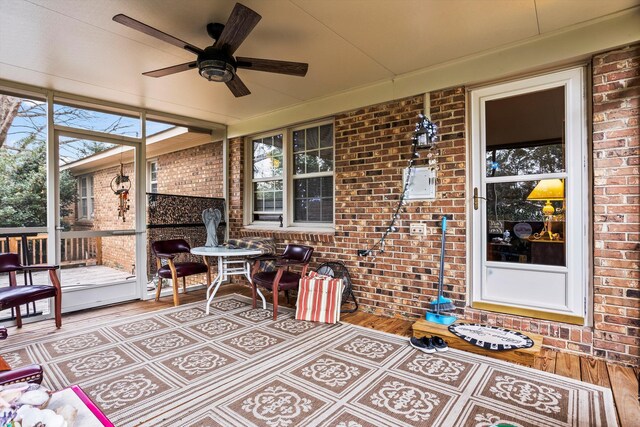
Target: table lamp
<point>548,190</point>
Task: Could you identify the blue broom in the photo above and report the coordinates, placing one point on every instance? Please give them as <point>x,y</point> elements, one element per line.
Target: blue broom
<point>441,303</point>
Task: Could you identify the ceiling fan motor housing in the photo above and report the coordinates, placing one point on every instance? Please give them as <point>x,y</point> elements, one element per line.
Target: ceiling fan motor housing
<point>215,65</point>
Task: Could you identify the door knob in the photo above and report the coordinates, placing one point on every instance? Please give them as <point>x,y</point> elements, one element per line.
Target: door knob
<point>475,198</point>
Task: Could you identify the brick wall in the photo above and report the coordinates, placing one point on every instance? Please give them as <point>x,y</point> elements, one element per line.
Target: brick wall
<point>372,146</point>
<point>194,171</point>
<point>616,193</point>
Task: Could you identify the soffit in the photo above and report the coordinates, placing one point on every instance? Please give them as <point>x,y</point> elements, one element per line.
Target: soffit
<point>74,46</point>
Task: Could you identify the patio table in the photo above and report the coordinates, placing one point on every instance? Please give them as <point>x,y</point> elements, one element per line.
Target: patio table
<point>230,262</point>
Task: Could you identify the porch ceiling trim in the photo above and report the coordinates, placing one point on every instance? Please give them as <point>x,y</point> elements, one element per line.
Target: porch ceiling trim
<point>556,49</point>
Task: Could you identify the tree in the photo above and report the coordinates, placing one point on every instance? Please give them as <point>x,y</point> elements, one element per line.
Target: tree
<point>23,174</point>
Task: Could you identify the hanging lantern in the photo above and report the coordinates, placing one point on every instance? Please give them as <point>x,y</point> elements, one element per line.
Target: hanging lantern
<point>120,185</point>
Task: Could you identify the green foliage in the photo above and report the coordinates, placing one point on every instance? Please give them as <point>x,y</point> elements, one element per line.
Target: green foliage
<point>23,186</point>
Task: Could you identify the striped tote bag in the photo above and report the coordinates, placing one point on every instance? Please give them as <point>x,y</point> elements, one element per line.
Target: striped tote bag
<point>319,298</point>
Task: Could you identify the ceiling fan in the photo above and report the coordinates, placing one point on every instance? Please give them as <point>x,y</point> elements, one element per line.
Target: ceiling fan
<point>216,62</point>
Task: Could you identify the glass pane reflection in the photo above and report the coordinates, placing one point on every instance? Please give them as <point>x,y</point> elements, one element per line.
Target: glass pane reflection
<point>521,227</point>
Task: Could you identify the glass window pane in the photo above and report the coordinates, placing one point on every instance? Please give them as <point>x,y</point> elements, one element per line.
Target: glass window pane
<point>326,136</point>
<point>325,162</point>
<point>298,141</point>
<point>526,223</point>
<point>312,139</point>
<point>100,121</point>
<point>299,163</point>
<point>267,157</point>
<point>300,210</point>
<point>327,186</point>
<point>313,187</point>
<point>311,160</point>
<point>314,210</point>
<point>525,134</point>
<point>327,210</point>
<point>277,142</point>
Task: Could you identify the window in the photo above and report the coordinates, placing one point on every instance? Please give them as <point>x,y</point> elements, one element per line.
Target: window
<point>152,168</point>
<point>85,197</point>
<point>292,177</point>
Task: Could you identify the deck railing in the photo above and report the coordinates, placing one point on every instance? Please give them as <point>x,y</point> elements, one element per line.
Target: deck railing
<point>73,250</point>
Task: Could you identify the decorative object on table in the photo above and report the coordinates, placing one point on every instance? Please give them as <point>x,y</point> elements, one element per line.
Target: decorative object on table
<point>548,190</point>
<point>266,245</point>
<point>491,337</point>
<point>26,404</point>
<point>281,279</point>
<point>424,137</point>
<point>14,296</point>
<point>338,270</point>
<point>167,250</point>
<point>212,218</point>
<point>441,304</point>
<point>319,298</point>
<point>121,185</point>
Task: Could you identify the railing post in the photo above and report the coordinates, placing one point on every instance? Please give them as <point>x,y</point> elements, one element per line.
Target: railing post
<point>99,250</point>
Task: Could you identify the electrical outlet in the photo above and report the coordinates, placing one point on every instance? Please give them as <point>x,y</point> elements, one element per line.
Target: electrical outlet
<point>418,229</point>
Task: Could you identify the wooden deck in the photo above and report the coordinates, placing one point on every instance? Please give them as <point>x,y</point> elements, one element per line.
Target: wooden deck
<point>620,379</point>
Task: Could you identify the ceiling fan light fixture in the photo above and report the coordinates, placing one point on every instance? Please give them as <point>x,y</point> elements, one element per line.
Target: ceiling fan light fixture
<point>216,70</point>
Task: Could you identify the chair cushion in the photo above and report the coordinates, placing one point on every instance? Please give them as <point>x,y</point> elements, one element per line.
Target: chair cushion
<point>18,295</point>
<point>183,269</point>
<point>288,280</point>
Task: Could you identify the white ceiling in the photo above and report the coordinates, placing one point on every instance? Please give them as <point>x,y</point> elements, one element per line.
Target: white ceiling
<point>74,46</point>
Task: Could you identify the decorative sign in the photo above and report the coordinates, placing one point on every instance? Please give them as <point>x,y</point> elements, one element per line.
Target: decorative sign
<point>523,230</point>
<point>496,227</point>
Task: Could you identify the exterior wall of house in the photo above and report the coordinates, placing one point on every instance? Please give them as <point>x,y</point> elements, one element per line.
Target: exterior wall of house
<point>194,171</point>
<point>372,147</point>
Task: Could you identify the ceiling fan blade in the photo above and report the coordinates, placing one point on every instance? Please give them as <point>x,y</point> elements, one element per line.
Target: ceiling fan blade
<point>273,66</point>
<point>238,88</point>
<point>171,70</point>
<point>237,28</point>
<point>144,28</point>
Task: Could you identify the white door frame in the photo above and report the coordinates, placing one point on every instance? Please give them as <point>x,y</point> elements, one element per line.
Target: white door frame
<point>577,282</point>
<point>83,298</point>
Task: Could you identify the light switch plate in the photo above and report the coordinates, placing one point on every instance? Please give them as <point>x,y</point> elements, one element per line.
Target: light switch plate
<point>418,229</point>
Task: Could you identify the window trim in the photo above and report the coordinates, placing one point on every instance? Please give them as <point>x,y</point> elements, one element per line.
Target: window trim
<point>90,198</point>
<point>288,223</point>
<point>149,181</point>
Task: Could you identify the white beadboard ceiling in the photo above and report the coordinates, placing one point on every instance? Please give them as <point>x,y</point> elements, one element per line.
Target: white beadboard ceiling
<point>74,46</point>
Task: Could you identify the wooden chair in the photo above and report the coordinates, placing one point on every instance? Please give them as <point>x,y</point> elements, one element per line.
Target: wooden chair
<point>14,296</point>
<point>282,279</point>
<point>29,373</point>
<point>168,250</point>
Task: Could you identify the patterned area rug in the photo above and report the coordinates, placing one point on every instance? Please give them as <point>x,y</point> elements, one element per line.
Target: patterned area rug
<point>237,367</point>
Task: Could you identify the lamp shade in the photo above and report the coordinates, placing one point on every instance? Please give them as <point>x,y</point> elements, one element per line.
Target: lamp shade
<point>548,189</point>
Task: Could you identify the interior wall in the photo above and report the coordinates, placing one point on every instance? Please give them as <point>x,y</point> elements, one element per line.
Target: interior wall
<point>372,146</point>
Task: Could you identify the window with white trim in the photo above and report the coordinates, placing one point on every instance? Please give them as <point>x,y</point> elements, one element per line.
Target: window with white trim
<point>85,197</point>
<point>291,178</point>
<point>152,168</point>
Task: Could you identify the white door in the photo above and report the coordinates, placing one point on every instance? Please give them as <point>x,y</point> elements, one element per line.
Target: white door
<point>529,204</point>
<point>96,225</point>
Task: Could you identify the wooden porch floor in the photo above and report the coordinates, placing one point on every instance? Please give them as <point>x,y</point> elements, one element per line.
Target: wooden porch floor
<point>620,379</point>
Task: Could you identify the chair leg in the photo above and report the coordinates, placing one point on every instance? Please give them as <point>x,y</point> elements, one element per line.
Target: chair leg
<point>158,289</point>
<point>176,296</point>
<point>18,317</point>
<point>275,304</point>
<point>57,301</point>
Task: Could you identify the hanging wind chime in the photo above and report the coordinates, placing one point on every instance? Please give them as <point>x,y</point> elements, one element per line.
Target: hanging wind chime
<point>424,137</point>
<point>120,185</point>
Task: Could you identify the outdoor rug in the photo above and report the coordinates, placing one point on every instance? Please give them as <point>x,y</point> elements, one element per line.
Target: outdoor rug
<point>237,367</point>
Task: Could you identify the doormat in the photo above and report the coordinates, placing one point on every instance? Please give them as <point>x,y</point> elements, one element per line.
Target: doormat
<point>490,337</point>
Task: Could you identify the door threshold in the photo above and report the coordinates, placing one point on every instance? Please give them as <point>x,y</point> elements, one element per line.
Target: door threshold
<point>528,312</point>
